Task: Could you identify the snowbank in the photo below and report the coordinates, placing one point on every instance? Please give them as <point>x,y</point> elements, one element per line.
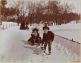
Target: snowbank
<point>69,31</point>
<point>7,25</point>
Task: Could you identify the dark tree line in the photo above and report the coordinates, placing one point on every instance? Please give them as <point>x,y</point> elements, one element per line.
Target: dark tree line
<point>52,12</point>
<point>8,11</point>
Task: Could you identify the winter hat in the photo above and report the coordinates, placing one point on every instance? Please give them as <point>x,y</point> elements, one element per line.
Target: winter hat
<point>45,28</point>
<point>35,29</point>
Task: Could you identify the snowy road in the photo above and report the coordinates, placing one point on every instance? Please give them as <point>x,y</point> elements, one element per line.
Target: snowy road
<point>12,49</point>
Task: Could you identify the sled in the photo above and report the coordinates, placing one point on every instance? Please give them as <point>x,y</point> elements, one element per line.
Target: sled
<point>36,48</point>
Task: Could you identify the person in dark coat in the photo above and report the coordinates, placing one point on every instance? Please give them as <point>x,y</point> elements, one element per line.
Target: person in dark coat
<point>48,37</point>
<point>22,27</point>
<point>35,39</point>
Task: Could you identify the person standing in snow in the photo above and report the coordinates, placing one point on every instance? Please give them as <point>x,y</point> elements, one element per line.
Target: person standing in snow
<point>48,37</point>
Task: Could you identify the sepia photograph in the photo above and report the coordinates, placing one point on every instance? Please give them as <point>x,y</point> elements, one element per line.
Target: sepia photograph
<point>40,31</point>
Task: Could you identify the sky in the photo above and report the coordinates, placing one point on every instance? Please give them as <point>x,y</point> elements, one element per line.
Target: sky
<point>76,4</point>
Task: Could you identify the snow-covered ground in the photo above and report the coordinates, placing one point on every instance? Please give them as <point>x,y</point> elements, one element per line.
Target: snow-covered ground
<point>70,31</point>
<point>7,25</point>
<point>12,48</point>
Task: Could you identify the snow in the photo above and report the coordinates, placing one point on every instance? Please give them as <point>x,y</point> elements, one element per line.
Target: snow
<point>69,31</point>
<point>12,48</point>
<point>8,25</point>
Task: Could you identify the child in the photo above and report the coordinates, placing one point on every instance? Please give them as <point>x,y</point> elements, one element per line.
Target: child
<point>35,38</point>
<point>48,38</point>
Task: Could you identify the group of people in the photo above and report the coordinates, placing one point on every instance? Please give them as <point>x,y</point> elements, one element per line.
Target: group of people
<point>47,39</point>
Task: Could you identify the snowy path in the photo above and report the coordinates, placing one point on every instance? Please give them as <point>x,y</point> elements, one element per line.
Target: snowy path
<point>12,50</point>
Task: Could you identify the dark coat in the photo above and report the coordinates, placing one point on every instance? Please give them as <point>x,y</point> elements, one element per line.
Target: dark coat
<point>48,37</point>
<point>34,39</point>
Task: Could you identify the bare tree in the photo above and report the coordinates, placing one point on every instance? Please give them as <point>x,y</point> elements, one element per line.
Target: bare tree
<point>50,12</point>
<point>22,12</point>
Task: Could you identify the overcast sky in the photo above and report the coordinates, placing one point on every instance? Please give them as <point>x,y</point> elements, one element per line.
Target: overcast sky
<point>76,4</point>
